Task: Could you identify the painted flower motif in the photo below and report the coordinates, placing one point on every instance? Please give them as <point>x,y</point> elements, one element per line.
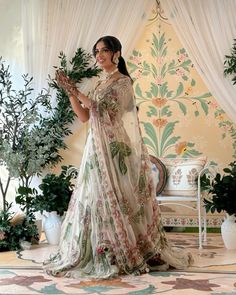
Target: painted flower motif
<point>102,250</point>
<point>2,235</point>
<point>135,59</point>
<point>213,105</point>
<point>159,80</point>
<point>189,90</point>
<point>182,57</point>
<point>159,122</point>
<point>180,72</point>
<point>181,148</point>
<point>160,60</point>
<point>138,74</point>
<point>227,128</point>
<point>159,102</point>
<point>220,117</point>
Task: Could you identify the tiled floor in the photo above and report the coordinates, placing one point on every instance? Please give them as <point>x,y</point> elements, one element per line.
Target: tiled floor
<point>214,272</point>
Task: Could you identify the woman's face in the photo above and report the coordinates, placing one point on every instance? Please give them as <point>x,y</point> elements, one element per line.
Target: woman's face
<point>104,56</point>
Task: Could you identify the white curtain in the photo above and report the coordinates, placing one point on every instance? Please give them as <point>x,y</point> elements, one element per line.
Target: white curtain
<point>51,26</point>
<point>206,28</point>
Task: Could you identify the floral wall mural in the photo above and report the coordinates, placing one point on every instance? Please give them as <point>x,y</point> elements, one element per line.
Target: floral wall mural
<point>165,80</point>
<point>162,97</point>
<point>179,117</point>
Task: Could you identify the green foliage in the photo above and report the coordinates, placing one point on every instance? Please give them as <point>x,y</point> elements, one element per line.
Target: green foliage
<point>12,234</point>
<point>230,63</point>
<point>32,132</point>
<point>25,198</point>
<point>222,189</point>
<point>56,191</point>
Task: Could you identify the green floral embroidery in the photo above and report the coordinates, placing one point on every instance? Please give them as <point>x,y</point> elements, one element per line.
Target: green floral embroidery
<point>109,104</point>
<point>67,231</point>
<point>86,172</point>
<point>136,218</point>
<point>122,150</point>
<point>142,183</point>
<point>125,208</point>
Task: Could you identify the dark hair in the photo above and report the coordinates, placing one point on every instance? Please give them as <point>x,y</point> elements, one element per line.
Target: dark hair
<point>114,45</point>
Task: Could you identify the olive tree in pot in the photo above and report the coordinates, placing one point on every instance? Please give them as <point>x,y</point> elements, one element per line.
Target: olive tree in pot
<point>222,197</point>
<point>32,131</point>
<point>52,202</point>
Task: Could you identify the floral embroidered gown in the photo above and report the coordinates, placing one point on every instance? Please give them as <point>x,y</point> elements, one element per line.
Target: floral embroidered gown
<point>113,224</point>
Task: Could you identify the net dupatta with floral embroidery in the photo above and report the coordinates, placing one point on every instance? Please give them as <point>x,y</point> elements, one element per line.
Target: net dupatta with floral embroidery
<point>112,225</point>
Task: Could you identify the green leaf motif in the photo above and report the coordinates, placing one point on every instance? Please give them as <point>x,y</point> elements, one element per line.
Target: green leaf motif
<point>153,53</point>
<point>172,72</point>
<point>122,150</point>
<point>182,107</point>
<point>155,42</point>
<point>204,107</point>
<point>135,53</point>
<point>138,90</point>
<point>154,69</point>
<point>154,89</point>
<point>163,70</point>
<point>193,82</point>
<point>153,142</point>
<point>145,73</point>
<point>168,130</point>
<point>153,110</point>
<point>163,89</point>
<point>132,67</point>
<point>179,90</point>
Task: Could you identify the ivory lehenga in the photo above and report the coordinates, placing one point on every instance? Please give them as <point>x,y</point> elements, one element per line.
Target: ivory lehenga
<point>113,225</point>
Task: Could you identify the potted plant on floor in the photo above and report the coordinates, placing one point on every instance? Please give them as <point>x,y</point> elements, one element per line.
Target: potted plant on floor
<point>32,132</point>
<point>56,191</point>
<point>222,197</point>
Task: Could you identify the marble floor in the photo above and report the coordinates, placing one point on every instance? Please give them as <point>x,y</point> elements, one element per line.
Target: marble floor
<point>213,272</point>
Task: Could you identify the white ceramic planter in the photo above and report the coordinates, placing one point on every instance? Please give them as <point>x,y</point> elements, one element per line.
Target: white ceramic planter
<point>52,227</point>
<point>228,232</point>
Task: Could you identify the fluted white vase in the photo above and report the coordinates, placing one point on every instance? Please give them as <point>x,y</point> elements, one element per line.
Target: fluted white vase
<point>228,232</point>
<point>52,227</point>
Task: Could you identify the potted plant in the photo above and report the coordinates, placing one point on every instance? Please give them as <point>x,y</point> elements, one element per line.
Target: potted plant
<point>32,131</point>
<point>56,191</point>
<point>222,197</point>
<point>16,230</point>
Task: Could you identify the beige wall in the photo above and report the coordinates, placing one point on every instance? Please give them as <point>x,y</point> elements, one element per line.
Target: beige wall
<point>178,115</point>
<point>183,106</point>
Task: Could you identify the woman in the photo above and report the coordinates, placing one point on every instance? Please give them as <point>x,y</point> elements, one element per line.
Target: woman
<point>112,225</point>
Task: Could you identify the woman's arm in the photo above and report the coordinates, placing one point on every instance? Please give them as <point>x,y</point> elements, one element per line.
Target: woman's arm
<point>75,96</point>
<point>80,111</point>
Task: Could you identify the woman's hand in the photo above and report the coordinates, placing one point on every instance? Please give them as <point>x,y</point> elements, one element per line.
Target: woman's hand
<point>66,83</point>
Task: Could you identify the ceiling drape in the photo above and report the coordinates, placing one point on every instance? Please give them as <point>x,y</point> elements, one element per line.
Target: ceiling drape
<point>206,28</point>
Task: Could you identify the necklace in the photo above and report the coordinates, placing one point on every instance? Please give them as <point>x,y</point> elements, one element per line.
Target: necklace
<point>109,75</point>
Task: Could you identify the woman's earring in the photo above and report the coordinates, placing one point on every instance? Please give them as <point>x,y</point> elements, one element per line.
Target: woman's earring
<point>116,60</point>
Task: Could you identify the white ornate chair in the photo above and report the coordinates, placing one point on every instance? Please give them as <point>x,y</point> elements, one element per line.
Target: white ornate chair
<point>178,183</point>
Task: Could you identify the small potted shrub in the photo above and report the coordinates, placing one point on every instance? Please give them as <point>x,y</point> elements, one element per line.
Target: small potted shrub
<point>16,230</point>
<point>222,197</point>
<point>56,191</point>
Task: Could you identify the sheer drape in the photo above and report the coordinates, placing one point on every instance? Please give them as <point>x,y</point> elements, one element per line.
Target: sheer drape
<point>206,29</point>
<point>51,26</point>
